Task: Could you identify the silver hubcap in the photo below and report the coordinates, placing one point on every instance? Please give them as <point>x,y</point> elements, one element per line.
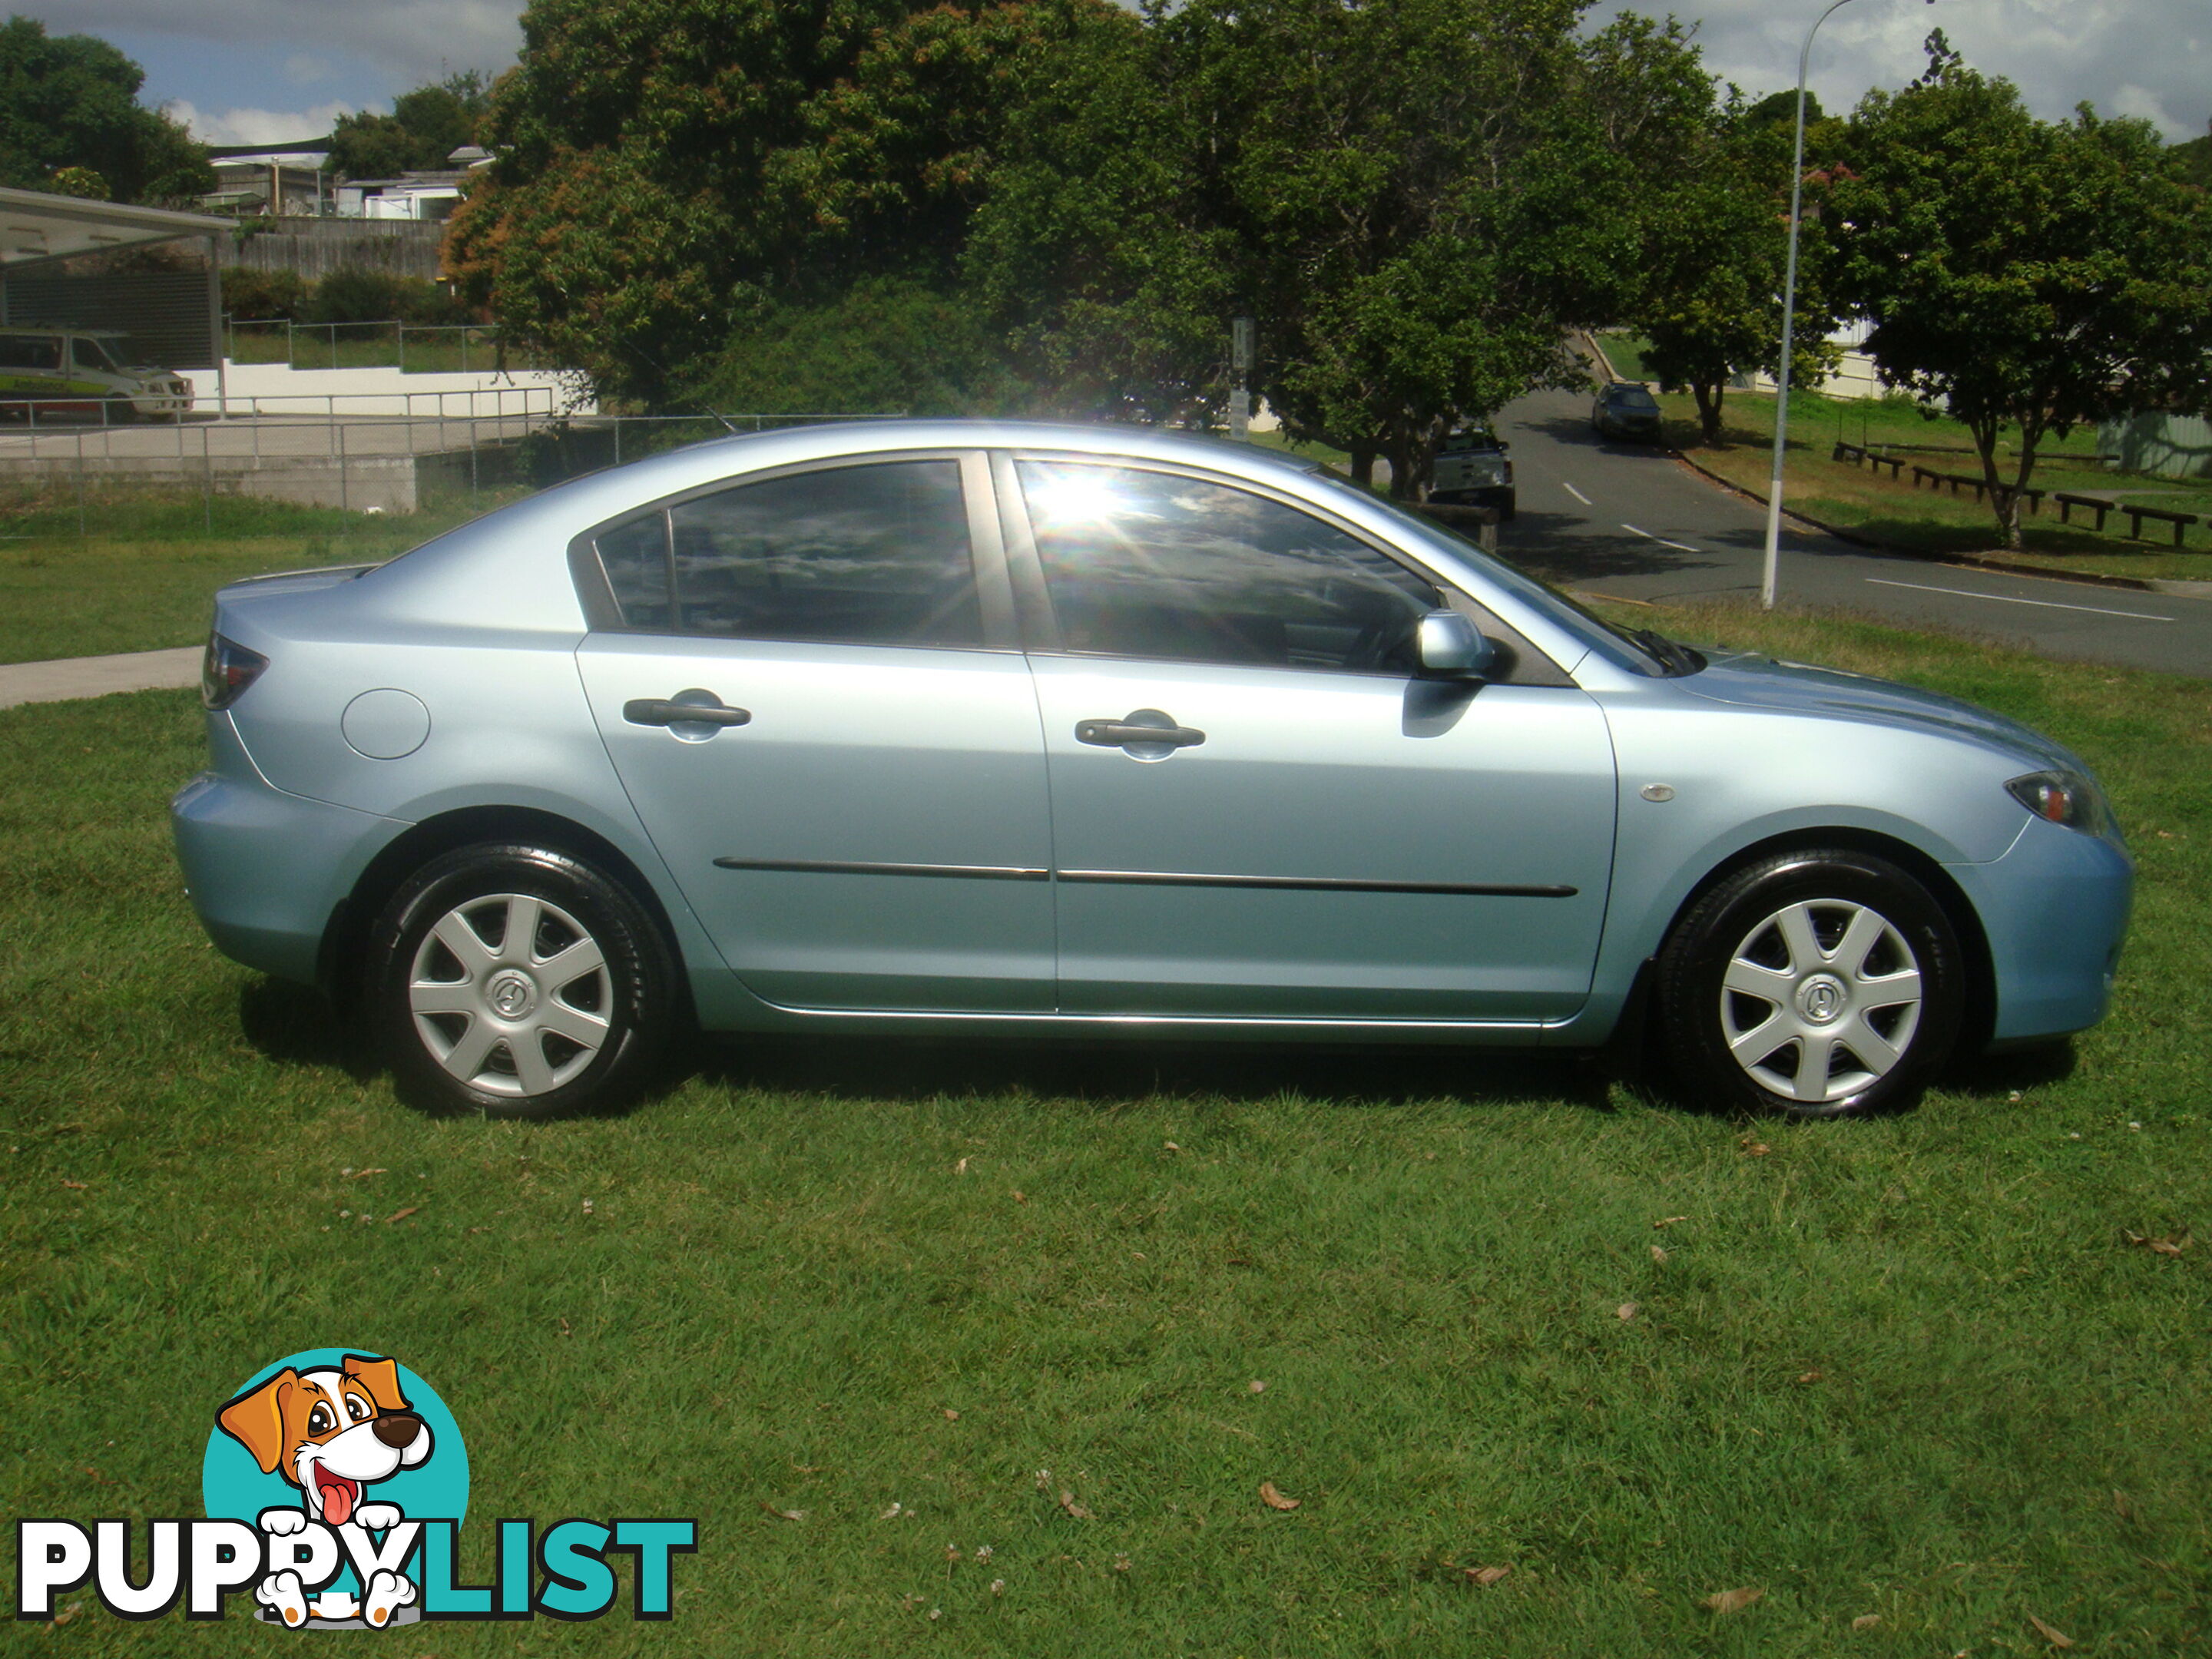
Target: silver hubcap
<point>510,995</point>
<point>1820,1000</point>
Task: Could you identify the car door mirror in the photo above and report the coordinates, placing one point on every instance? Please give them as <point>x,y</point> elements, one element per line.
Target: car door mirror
<point>1448,646</point>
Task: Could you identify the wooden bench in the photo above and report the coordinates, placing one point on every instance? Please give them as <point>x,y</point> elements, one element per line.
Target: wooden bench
<point>2137,514</point>
<point>1859,455</point>
<point>2067,504</point>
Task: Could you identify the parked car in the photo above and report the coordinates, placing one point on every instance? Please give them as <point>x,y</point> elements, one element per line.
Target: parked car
<point>1627,408</point>
<point>73,371</point>
<point>941,727</point>
<point>1472,471</point>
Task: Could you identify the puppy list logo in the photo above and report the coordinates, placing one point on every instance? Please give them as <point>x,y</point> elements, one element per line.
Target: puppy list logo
<point>336,1484</point>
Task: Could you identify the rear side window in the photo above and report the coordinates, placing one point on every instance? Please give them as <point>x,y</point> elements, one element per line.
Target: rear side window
<point>871,554</point>
<point>42,351</point>
<point>636,558</point>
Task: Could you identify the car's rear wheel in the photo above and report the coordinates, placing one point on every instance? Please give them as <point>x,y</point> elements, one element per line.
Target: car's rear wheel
<point>520,981</point>
<point>1822,983</point>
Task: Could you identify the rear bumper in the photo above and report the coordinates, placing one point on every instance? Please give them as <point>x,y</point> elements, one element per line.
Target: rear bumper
<point>264,870</point>
<point>1498,496</point>
<point>2054,911</point>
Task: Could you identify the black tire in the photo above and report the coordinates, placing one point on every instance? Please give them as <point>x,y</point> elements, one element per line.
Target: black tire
<point>1808,960</point>
<point>513,1039</point>
<point>1512,507</point>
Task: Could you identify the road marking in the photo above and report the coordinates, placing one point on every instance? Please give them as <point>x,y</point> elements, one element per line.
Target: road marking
<point>2002,599</point>
<point>1681,546</point>
<point>1574,492</point>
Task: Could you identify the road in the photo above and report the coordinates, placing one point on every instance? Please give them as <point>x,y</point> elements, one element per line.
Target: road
<point>1628,521</point>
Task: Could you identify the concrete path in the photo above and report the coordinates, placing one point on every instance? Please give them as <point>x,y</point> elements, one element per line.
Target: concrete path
<point>97,677</point>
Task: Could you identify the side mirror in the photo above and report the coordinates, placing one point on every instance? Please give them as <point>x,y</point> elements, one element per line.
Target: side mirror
<point>1448,646</point>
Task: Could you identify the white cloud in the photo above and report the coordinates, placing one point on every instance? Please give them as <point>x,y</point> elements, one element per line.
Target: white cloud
<point>2146,57</point>
<point>303,70</point>
<point>410,41</point>
<point>256,126</point>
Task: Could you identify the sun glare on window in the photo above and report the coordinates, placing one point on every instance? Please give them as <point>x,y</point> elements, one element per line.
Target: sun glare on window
<point>1071,498</point>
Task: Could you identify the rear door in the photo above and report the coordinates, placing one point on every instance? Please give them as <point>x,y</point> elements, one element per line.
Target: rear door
<point>857,808</point>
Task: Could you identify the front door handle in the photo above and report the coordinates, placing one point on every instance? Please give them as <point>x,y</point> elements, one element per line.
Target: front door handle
<point>672,711</point>
<point>1147,726</point>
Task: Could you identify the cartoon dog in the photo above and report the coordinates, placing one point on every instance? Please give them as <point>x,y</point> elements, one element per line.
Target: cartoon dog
<point>332,1432</point>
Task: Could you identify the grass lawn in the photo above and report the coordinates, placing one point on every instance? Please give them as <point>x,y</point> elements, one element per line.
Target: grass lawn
<point>1470,1311</point>
<point>1860,499</point>
<point>143,579</point>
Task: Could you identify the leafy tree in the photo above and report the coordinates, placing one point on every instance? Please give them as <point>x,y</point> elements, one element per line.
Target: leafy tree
<point>1715,256</point>
<point>1100,246</point>
<point>666,168</point>
<point>425,127</point>
<point>887,345</point>
<point>2193,161</point>
<point>1415,197</point>
<point>68,108</point>
<point>2027,276</point>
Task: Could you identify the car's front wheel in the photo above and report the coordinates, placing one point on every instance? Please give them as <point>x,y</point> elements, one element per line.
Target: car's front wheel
<point>520,981</point>
<point>1819,984</point>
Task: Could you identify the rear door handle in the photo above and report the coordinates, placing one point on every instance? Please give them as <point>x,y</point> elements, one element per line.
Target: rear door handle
<point>1120,734</point>
<point>665,711</point>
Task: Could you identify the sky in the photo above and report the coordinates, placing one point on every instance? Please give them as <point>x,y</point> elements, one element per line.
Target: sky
<point>261,71</point>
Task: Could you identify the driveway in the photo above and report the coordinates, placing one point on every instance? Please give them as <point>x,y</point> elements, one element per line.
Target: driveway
<point>1629,521</point>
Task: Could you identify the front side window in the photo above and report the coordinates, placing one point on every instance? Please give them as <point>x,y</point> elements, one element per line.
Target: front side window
<point>871,554</point>
<point>92,356</point>
<point>1149,564</point>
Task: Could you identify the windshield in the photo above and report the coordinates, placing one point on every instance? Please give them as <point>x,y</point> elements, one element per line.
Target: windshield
<point>1639,651</point>
<point>1634,397</point>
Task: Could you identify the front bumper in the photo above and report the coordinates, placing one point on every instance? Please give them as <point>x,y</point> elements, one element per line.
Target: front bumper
<point>2055,910</point>
<point>266,870</point>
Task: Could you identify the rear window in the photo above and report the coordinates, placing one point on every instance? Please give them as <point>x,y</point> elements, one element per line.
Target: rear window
<point>1634,397</point>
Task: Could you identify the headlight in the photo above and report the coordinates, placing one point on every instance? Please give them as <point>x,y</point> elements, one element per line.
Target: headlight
<point>2066,798</point>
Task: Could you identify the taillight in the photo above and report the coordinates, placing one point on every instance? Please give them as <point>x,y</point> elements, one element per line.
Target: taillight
<point>226,669</point>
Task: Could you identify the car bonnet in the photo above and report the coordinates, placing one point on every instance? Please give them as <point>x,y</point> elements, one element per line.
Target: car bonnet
<point>1758,682</point>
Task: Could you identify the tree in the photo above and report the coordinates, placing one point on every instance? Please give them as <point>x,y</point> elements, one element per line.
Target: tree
<point>2028,276</point>
<point>1715,254</point>
<point>1098,247</point>
<point>667,168</point>
<point>68,106</point>
<point>1415,198</point>
<point>425,127</point>
<point>887,345</point>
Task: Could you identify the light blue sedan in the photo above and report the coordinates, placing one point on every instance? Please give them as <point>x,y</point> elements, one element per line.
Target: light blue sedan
<point>936,726</point>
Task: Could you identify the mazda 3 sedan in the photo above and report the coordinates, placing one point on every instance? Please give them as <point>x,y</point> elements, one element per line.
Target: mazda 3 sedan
<point>1627,408</point>
<point>936,726</point>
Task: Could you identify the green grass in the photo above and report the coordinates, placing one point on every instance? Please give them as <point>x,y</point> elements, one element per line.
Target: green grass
<point>142,580</point>
<point>1909,1368</point>
<point>1625,353</point>
<point>1871,503</point>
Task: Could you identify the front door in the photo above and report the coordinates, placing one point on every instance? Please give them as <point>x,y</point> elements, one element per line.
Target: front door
<point>1315,833</point>
<point>857,808</point>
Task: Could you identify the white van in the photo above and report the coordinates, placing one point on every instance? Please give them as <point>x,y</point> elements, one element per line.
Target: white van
<point>83,371</point>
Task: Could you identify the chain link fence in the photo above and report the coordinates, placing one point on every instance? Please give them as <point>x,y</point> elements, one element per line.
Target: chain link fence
<point>451,450</point>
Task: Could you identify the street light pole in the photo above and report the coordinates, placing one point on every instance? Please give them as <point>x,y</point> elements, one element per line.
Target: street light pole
<point>1769,580</point>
